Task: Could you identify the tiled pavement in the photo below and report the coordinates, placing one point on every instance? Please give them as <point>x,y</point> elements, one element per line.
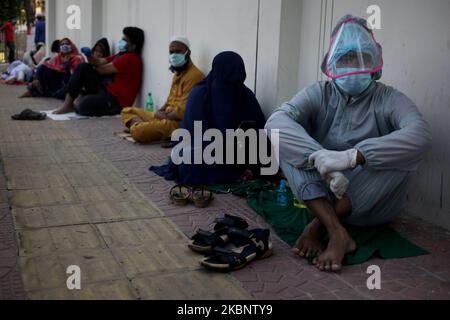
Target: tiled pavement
<point>72,207</point>
<point>11,286</point>
<point>61,220</point>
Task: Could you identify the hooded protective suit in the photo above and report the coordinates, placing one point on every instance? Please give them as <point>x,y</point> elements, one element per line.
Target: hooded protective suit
<point>381,123</point>
<point>353,45</point>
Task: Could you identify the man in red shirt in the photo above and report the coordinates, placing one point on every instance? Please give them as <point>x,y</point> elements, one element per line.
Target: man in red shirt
<point>10,37</point>
<point>107,85</point>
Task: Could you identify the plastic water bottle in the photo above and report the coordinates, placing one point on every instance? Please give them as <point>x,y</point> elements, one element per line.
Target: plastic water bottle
<point>282,194</point>
<point>150,106</point>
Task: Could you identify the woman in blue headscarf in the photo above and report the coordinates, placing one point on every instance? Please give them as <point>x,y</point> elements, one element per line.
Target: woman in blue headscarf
<point>221,101</point>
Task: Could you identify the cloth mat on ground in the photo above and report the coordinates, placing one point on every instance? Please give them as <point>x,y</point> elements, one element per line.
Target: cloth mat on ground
<point>288,222</point>
<point>125,136</point>
<point>69,116</point>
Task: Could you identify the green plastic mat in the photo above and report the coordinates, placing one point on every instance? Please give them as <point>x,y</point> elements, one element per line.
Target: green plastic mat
<point>288,222</point>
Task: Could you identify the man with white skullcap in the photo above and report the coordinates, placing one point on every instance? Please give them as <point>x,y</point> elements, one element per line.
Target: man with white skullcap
<point>157,126</point>
<point>181,39</point>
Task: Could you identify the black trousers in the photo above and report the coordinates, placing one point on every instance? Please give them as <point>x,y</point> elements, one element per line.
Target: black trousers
<point>96,101</point>
<point>11,51</point>
<point>52,83</point>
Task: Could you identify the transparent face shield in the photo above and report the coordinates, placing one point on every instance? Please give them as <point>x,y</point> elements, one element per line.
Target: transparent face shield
<point>353,50</point>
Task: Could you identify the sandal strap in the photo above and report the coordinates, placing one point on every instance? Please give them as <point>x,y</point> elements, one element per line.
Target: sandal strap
<point>203,191</point>
<point>257,239</point>
<point>233,259</point>
<point>206,196</point>
<point>221,250</point>
<point>180,187</point>
<point>230,222</point>
<point>208,238</point>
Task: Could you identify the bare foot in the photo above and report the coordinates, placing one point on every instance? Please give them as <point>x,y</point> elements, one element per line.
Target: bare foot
<point>26,94</point>
<point>77,101</point>
<point>308,245</point>
<point>63,110</point>
<point>339,245</point>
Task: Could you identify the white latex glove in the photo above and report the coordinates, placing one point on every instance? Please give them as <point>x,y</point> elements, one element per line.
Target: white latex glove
<point>327,161</point>
<point>338,184</point>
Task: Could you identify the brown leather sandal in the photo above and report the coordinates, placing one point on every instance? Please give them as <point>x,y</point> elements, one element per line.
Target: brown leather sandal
<point>180,195</point>
<point>201,197</point>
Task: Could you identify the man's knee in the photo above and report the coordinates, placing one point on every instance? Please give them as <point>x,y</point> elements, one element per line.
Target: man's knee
<point>367,188</point>
<point>377,197</point>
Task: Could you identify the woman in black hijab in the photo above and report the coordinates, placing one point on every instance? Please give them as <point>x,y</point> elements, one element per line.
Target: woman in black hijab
<point>221,101</point>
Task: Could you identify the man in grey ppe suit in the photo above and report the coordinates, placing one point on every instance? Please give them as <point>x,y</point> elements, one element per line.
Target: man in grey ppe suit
<point>348,146</point>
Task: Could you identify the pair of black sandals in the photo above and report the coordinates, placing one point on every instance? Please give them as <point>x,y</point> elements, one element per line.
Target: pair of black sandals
<point>230,246</point>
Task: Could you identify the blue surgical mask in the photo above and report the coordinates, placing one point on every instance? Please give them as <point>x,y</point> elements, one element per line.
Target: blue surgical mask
<point>122,46</point>
<point>354,84</point>
<point>65,48</point>
<point>177,59</point>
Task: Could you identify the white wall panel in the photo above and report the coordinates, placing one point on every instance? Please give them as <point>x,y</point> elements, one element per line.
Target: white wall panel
<point>214,26</point>
<point>81,37</point>
<point>208,31</point>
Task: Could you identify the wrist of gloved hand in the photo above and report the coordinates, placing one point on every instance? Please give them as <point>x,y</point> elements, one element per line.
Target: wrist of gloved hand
<point>352,158</point>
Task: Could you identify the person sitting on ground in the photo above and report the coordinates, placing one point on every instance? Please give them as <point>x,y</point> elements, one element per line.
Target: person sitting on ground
<point>22,71</point>
<point>17,72</point>
<point>33,58</point>
<point>157,126</point>
<point>53,75</point>
<point>98,99</point>
<point>222,102</point>
<point>40,57</point>
<point>361,136</point>
<point>101,49</point>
